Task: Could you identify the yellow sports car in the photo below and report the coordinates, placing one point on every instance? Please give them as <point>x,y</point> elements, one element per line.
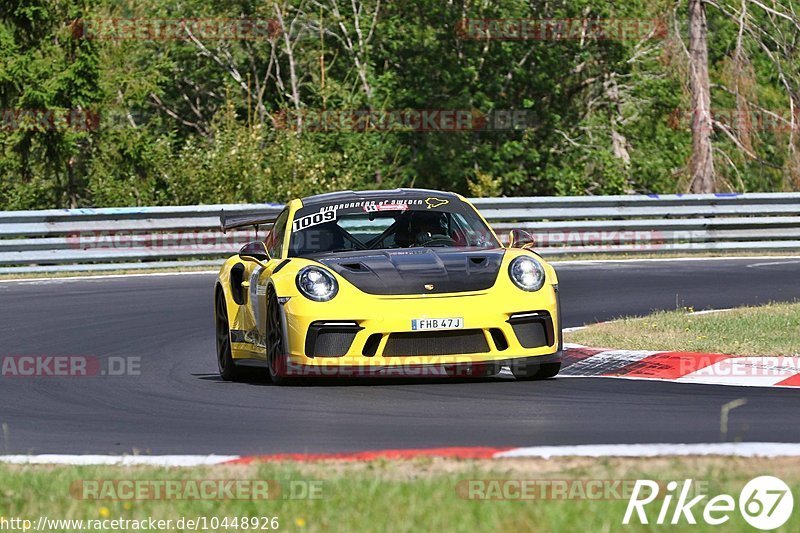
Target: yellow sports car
<point>404,282</point>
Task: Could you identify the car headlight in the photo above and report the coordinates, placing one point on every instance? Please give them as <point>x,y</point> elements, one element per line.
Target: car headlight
<point>317,284</point>
<point>527,273</point>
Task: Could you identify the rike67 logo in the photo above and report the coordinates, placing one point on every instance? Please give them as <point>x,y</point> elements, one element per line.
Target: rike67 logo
<point>765,503</point>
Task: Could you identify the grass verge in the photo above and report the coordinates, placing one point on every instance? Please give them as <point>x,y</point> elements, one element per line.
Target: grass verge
<point>425,494</point>
<point>772,329</point>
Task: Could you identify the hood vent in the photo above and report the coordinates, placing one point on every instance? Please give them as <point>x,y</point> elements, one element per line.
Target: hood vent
<point>354,267</point>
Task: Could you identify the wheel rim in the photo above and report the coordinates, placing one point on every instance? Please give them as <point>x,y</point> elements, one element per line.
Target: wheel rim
<point>223,336</point>
<point>275,339</point>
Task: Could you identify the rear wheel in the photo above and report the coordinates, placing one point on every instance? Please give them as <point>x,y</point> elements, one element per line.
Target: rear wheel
<point>277,355</point>
<point>535,371</point>
<point>227,368</point>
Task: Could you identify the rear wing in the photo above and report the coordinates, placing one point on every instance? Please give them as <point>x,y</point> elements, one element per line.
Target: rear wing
<point>262,218</point>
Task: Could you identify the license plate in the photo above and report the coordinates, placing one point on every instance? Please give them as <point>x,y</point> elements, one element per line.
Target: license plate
<point>419,324</point>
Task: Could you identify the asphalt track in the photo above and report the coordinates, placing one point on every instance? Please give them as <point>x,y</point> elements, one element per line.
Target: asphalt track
<point>178,405</point>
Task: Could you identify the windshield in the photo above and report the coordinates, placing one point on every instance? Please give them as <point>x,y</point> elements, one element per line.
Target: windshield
<point>388,224</point>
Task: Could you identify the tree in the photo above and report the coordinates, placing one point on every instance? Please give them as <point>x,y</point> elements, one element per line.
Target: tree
<point>702,162</point>
<point>51,78</point>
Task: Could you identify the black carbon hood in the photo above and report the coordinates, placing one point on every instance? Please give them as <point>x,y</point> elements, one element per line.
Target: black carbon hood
<point>408,271</point>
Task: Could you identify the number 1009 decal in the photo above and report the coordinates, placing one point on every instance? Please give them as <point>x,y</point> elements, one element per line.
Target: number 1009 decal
<point>314,219</point>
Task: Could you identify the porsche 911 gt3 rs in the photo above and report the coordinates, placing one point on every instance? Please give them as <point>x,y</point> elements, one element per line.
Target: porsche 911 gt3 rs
<point>393,282</point>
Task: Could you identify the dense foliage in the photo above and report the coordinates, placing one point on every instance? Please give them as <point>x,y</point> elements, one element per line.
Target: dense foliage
<point>197,119</point>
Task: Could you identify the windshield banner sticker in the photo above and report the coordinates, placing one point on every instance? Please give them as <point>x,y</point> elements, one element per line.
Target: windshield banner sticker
<point>329,213</point>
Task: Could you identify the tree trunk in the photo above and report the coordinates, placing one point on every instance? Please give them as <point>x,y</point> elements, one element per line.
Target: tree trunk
<point>702,165</point>
<point>619,143</point>
<point>72,190</point>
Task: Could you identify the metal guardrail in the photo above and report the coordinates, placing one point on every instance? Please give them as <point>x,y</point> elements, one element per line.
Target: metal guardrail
<point>148,237</point>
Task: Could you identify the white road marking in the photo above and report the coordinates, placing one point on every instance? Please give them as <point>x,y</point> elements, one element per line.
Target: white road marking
<point>578,262</point>
<point>95,277</point>
<point>119,460</point>
<point>756,265</point>
<point>737,449</point>
<point>711,311</point>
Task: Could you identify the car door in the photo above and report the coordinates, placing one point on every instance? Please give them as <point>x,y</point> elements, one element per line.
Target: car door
<point>248,281</point>
<point>259,277</point>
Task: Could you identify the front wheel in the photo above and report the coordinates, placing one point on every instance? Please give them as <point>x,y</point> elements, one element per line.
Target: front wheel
<point>535,371</point>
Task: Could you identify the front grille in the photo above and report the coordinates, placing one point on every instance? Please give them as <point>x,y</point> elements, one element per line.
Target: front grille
<point>436,343</point>
<point>330,339</point>
<point>533,330</point>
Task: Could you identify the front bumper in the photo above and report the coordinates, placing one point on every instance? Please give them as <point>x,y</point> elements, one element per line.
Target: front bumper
<point>377,334</point>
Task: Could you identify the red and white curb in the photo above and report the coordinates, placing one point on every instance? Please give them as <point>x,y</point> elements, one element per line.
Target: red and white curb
<point>682,367</point>
<point>731,449</point>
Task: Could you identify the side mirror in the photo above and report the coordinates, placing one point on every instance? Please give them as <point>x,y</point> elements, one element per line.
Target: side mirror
<point>254,251</point>
<point>519,238</point>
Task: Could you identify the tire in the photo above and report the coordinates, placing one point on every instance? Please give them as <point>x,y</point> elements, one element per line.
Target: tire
<point>227,368</point>
<point>276,351</point>
<point>535,371</point>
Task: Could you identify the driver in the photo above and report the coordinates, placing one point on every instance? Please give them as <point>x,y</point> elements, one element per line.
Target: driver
<point>418,227</point>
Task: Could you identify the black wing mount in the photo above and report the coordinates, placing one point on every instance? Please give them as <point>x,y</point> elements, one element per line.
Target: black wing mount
<point>261,218</point>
